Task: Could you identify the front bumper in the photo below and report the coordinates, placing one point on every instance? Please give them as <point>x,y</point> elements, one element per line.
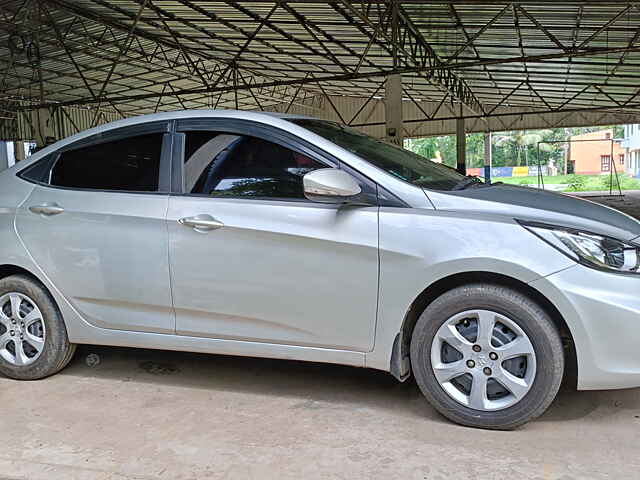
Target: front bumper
<point>602,311</point>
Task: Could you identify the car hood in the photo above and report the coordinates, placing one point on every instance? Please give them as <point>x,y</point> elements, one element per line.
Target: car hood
<point>524,203</point>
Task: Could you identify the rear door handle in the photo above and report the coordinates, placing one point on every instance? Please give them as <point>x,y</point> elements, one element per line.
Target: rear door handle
<point>47,209</point>
<point>201,223</point>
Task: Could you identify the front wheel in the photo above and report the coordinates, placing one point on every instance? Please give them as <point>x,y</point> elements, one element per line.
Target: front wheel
<point>487,356</point>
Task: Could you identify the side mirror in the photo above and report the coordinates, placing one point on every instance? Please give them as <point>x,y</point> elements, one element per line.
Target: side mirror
<point>330,185</point>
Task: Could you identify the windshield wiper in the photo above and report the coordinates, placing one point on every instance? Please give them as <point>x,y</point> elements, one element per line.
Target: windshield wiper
<point>467,182</point>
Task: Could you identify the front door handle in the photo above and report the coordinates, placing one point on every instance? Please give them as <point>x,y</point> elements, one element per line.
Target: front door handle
<point>47,209</point>
<point>201,223</point>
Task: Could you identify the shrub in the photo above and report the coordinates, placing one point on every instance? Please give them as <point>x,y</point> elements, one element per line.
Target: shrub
<point>612,181</point>
<point>575,182</point>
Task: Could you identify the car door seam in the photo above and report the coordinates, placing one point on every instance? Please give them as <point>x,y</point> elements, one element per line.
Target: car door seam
<point>170,271</point>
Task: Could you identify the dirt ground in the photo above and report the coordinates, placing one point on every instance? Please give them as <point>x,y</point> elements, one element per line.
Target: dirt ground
<point>628,202</point>
<point>143,414</point>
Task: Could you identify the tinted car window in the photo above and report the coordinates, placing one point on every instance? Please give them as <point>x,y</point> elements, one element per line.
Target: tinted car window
<point>128,164</point>
<point>397,161</point>
<point>223,164</point>
<point>39,171</point>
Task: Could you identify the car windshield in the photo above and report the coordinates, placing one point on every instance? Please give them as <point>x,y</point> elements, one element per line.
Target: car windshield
<point>397,161</point>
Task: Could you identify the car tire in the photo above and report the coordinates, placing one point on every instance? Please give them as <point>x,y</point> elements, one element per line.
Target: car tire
<point>518,320</point>
<point>38,326</point>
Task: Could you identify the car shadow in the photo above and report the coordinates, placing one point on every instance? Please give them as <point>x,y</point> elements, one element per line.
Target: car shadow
<point>312,383</point>
<point>315,384</point>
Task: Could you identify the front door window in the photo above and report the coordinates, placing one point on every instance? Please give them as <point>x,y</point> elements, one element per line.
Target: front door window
<point>240,166</point>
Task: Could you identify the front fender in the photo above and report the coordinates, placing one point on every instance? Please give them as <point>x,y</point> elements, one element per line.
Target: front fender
<point>420,247</point>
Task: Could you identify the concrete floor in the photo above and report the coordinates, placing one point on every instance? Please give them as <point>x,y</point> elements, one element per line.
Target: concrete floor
<point>143,414</point>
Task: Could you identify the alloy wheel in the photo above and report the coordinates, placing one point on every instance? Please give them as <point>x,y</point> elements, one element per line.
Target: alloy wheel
<point>483,360</point>
<point>22,330</point>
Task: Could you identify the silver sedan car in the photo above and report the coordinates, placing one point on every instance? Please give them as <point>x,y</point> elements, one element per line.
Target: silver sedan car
<point>290,237</point>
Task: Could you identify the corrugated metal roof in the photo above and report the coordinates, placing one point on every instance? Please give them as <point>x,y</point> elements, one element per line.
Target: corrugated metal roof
<point>138,56</point>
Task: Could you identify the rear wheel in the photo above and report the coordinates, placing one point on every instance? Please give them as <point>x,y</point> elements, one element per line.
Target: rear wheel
<point>487,356</point>
<point>33,338</point>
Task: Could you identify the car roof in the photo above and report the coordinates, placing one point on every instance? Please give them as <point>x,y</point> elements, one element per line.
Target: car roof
<point>270,118</point>
<point>278,120</point>
<point>263,117</point>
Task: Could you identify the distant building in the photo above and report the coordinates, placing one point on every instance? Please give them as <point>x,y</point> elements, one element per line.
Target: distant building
<point>631,144</point>
<point>592,154</point>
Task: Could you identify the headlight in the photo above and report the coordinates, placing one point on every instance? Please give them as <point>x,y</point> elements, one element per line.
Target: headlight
<point>590,249</point>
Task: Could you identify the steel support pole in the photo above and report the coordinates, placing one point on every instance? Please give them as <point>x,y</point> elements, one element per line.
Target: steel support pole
<point>18,151</point>
<point>393,109</point>
<point>461,147</point>
<point>4,155</point>
<point>44,122</point>
<point>487,157</point>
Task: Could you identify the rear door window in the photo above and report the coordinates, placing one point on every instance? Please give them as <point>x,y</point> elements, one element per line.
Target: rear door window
<point>128,164</point>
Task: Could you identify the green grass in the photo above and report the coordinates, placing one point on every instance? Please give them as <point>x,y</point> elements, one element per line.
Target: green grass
<point>577,183</point>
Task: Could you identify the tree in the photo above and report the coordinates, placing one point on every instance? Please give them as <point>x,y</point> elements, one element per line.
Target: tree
<point>509,149</point>
<point>522,141</point>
